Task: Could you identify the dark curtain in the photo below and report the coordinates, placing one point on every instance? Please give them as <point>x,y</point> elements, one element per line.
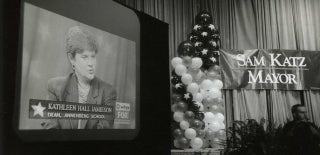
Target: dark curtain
<point>249,24</point>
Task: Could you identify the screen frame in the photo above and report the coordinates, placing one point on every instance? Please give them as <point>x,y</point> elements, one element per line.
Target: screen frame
<point>131,32</point>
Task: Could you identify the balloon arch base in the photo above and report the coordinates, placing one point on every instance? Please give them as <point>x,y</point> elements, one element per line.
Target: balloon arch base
<point>207,151</point>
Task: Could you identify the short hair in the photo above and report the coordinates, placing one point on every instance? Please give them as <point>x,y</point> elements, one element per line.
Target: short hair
<point>295,107</point>
<point>80,39</point>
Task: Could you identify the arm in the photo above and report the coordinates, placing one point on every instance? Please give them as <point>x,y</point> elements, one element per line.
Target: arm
<point>51,123</point>
<point>109,98</point>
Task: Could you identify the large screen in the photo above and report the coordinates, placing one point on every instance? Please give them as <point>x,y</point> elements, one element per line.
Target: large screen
<point>79,75</point>
<point>75,76</point>
<point>84,77</point>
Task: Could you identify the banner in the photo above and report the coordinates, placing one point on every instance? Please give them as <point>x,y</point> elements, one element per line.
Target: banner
<point>45,109</point>
<point>270,69</point>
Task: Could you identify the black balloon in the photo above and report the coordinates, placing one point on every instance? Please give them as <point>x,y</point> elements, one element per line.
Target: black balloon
<point>181,106</point>
<point>189,115</point>
<point>204,36</point>
<point>184,142</point>
<point>185,49</point>
<point>178,133</point>
<point>204,124</point>
<point>199,116</point>
<point>203,18</point>
<point>210,27</point>
<point>179,88</point>
<point>197,29</point>
<point>215,37</point>
<point>213,44</point>
<point>197,53</point>
<point>175,79</point>
<point>173,73</point>
<point>201,133</point>
<point>198,45</point>
<point>193,107</point>
<point>193,37</point>
<point>213,54</point>
<point>196,124</point>
<point>176,97</point>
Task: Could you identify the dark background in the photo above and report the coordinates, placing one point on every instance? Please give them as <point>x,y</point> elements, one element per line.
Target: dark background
<point>154,134</point>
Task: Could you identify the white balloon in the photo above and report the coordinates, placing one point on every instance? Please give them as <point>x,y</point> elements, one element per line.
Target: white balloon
<point>198,77</point>
<point>196,63</point>
<point>184,125</point>
<point>208,117</point>
<point>190,133</point>
<point>176,61</point>
<point>204,93</point>
<point>222,126</point>
<point>178,116</point>
<point>214,108</point>
<point>219,117</point>
<point>208,101</point>
<point>197,97</point>
<point>206,84</point>
<point>180,69</point>
<point>214,126</point>
<point>186,79</point>
<point>217,84</point>
<point>196,143</point>
<point>193,88</point>
<point>214,93</point>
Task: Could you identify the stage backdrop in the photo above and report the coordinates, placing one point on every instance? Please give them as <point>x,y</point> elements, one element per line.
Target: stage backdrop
<point>249,24</point>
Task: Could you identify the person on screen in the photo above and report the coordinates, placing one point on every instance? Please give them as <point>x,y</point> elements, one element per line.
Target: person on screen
<point>81,86</point>
<point>300,135</point>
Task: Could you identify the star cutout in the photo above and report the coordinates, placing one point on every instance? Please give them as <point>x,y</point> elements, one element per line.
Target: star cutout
<point>211,27</point>
<point>187,96</point>
<point>213,43</point>
<point>38,109</point>
<point>204,34</point>
<point>197,44</point>
<point>196,27</point>
<point>178,85</point>
<point>213,59</point>
<point>204,51</point>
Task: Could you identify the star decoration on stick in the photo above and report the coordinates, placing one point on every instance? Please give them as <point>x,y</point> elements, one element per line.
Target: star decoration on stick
<point>187,96</point>
<point>196,27</point>
<point>204,34</point>
<point>204,51</point>
<point>178,85</point>
<point>213,59</point>
<point>211,27</point>
<point>197,44</point>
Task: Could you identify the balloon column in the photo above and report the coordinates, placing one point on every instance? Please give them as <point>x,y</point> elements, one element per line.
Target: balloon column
<point>197,107</point>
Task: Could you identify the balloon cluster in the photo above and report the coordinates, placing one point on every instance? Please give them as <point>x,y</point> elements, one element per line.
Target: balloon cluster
<point>198,108</point>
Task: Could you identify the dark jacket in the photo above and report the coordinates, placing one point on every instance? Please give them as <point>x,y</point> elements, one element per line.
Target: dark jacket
<point>66,89</point>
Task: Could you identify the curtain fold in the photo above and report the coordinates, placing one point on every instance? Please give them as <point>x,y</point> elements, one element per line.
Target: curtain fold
<point>311,100</point>
<point>249,24</point>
